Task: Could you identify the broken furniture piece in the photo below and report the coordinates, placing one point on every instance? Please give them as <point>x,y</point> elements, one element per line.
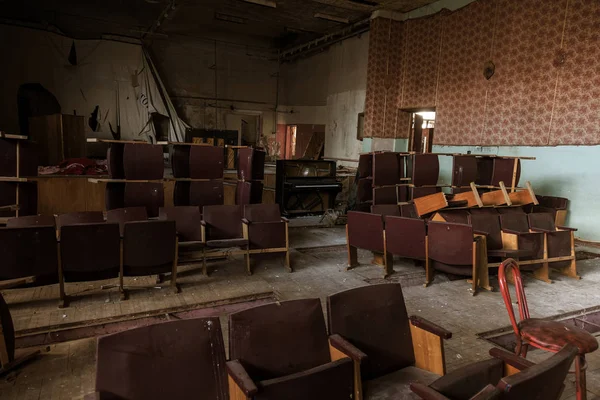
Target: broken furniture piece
<point>544,334</point>
<point>155,362</point>
<point>266,230</point>
<point>281,351</point>
<point>398,349</point>
<point>504,377</point>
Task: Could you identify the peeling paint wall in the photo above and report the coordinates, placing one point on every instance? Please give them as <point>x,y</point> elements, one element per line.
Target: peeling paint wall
<point>329,88</point>
<point>209,80</point>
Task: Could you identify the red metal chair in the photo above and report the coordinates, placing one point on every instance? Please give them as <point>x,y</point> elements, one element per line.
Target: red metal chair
<point>544,334</point>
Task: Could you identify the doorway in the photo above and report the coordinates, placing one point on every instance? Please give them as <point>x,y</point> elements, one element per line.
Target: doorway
<point>421,131</point>
<point>303,141</point>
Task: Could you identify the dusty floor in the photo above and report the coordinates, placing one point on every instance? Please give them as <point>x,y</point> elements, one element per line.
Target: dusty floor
<point>319,260</point>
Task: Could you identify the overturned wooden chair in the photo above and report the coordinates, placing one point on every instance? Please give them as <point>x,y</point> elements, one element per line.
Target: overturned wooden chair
<point>458,250</point>
<point>266,230</point>
<point>365,231</point>
<point>222,231</point>
<point>9,359</point>
<point>390,350</point>
<point>281,351</point>
<point>170,360</point>
<point>504,377</point>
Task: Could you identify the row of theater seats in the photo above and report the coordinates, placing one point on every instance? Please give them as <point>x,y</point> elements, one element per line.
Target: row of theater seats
<point>84,247</point>
<point>368,348</point>
<point>464,242</point>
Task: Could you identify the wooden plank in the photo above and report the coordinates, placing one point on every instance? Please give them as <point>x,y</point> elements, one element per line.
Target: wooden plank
<point>12,179</point>
<point>493,198</point>
<point>429,350</point>
<point>4,135</point>
<point>468,196</point>
<point>514,175</point>
<point>235,393</point>
<point>427,204</point>
<point>561,218</point>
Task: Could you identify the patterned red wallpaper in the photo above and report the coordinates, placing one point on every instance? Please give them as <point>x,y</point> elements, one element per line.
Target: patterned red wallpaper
<point>546,86</point>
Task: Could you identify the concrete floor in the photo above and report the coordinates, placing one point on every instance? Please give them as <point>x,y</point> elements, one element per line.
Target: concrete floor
<point>319,259</point>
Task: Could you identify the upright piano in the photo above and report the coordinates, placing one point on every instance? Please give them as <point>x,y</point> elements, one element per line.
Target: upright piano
<point>306,186</point>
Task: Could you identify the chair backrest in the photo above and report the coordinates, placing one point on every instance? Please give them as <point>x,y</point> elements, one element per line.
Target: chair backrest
<point>251,164</point>
<point>515,222</point>
<point>543,381</point>
<point>180,161</point>
<point>167,360</point>
<point>484,210</point>
<point>455,216</point>
<point>450,244</point>
<point>143,161</point>
<point>149,247</point>
<point>406,237</point>
<point>31,220</point>
<point>559,203</point>
<point>416,192</point>
<point>424,169</point>
<point>223,222</point>
<point>365,165</point>
<point>84,217</point>
<point>8,331</point>
<point>491,225</point>
<point>386,209</point>
<point>505,267</point>
<point>541,221</point>
<point>129,214</point>
<point>279,339</point>
<point>409,211</point>
<point>388,168</point>
<point>262,212</point>
<point>365,231</point>
<point>90,251</point>
<point>206,162</point>
<point>148,195</point>
<point>114,160</point>
<point>374,319</point>
<point>29,251</point>
<point>208,193</point>
<point>464,170</point>
<point>187,221</point>
<point>511,210</point>
<point>364,190</point>
<point>503,171</point>
<point>248,192</point>
<point>386,195</point>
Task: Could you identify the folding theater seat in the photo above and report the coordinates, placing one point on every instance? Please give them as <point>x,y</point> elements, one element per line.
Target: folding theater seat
<point>266,230</point>
<point>390,350</point>
<point>222,228</point>
<point>365,231</point>
<point>169,360</point>
<point>294,361</point>
<point>458,250</point>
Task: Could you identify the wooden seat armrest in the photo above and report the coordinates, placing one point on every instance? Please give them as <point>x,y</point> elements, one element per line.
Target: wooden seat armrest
<point>566,228</point>
<point>429,326</point>
<point>246,221</point>
<point>203,222</point>
<point>480,232</point>
<point>510,231</point>
<point>511,359</point>
<point>488,393</point>
<point>540,230</point>
<point>341,344</point>
<point>284,219</point>
<point>426,393</point>
<point>8,284</point>
<point>238,373</point>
